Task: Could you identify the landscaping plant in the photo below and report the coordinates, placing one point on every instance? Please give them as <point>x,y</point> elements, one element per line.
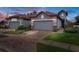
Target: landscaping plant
<point>71,30</point>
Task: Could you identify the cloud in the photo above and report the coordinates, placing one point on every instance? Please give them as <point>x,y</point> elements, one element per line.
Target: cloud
<point>2,14</point>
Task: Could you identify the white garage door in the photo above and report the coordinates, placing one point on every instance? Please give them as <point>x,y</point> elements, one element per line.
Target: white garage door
<point>43,25</point>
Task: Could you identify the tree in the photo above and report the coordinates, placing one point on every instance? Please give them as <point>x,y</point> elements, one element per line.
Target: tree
<point>62,15</point>
<point>34,12</point>
<point>2,25</point>
<point>2,22</point>
<point>77,19</point>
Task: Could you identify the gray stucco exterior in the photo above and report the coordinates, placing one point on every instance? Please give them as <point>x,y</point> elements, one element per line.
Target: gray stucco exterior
<point>18,22</point>
<point>26,23</point>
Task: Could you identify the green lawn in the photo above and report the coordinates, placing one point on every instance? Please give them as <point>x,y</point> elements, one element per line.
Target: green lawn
<point>47,48</point>
<point>72,38</point>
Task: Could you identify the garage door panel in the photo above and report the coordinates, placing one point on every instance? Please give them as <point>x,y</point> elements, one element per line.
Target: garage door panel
<point>43,25</point>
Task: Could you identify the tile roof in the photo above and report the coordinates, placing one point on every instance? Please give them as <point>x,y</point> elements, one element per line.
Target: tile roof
<point>28,17</point>
<point>23,16</point>
<point>50,14</point>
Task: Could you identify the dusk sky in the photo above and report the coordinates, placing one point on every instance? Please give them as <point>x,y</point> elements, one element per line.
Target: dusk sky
<point>72,11</point>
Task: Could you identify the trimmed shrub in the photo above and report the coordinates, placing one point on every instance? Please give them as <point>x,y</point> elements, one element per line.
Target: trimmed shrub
<point>23,28</point>
<point>3,26</point>
<point>71,30</point>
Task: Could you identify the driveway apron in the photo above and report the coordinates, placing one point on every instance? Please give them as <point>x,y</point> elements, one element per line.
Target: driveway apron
<point>25,42</point>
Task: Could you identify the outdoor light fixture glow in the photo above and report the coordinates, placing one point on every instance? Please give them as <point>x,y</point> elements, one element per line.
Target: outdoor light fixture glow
<point>62,15</point>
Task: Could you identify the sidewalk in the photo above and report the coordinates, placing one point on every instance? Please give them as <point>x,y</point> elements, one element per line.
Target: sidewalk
<point>71,47</point>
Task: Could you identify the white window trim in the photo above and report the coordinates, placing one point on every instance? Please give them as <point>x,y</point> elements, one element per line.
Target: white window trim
<point>13,19</point>
<point>42,16</point>
<point>20,22</point>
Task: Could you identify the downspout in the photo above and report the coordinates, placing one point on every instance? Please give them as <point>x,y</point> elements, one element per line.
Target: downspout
<point>20,22</point>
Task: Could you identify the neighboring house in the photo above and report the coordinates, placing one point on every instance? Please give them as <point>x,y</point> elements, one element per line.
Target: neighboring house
<point>76,22</point>
<point>17,20</point>
<point>43,20</point>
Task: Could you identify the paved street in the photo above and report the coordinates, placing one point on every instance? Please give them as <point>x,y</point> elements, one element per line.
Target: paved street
<point>23,42</point>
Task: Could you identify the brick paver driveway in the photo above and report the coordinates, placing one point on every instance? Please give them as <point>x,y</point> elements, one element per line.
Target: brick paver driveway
<point>23,42</point>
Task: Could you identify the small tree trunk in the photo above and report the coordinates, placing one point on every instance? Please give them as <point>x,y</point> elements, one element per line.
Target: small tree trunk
<point>63,25</point>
